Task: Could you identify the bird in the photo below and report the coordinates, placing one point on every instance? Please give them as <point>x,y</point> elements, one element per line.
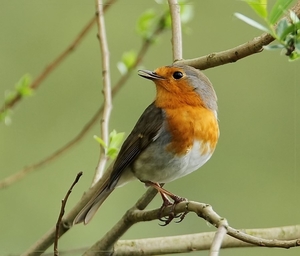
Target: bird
<point>176,134</point>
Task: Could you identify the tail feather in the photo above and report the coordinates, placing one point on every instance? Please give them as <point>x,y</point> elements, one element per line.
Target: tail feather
<point>89,210</point>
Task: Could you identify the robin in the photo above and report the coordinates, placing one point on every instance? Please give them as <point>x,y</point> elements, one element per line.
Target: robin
<point>174,136</point>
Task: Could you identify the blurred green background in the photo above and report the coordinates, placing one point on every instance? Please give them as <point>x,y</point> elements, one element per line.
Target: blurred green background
<point>253,177</point>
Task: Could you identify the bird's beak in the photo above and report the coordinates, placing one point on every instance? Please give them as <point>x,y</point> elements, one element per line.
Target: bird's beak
<point>149,75</point>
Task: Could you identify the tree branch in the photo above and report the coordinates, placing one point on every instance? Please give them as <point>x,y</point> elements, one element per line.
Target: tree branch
<point>106,91</point>
<point>218,239</point>
<point>205,211</point>
<point>197,242</point>
<point>190,242</point>
<point>176,30</point>
<point>236,53</point>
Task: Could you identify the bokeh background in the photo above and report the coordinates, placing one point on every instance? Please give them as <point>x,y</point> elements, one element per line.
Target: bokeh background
<point>252,179</point>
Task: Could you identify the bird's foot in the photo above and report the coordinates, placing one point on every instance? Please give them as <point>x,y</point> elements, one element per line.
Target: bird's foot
<point>171,216</point>
<point>166,195</point>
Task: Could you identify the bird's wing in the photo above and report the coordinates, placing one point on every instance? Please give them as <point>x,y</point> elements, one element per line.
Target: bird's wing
<point>144,132</point>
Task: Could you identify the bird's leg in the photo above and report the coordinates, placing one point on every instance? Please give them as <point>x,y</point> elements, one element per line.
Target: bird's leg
<point>167,202</point>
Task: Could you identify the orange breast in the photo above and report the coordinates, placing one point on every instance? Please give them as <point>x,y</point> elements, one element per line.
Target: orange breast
<point>188,124</point>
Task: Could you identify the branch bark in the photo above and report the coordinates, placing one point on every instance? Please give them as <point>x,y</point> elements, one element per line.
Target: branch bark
<point>106,91</point>
<point>191,242</point>
<point>176,30</point>
<point>205,211</point>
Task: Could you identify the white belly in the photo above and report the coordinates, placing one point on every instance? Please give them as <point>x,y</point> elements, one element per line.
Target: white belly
<point>163,168</point>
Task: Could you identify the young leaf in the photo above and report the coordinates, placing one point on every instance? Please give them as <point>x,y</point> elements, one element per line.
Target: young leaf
<point>286,32</point>
<point>122,68</point>
<point>186,12</point>
<point>281,28</point>
<point>112,152</point>
<point>145,23</point>
<point>129,58</point>
<point>278,9</point>
<point>115,139</point>
<point>259,6</point>
<point>294,56</point>
<point>274,47</point>
<point>251,22</point>
<point>294,17</point>
<point>23,86</point>
<point>100,141</point>
<point>5,117</point>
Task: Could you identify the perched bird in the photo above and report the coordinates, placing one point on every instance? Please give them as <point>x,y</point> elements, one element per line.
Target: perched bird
<point>174,136</point>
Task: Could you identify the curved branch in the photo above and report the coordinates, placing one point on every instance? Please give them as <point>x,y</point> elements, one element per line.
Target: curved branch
<point>189,242</point>
<point>204,211</point>
<point>197,242</point>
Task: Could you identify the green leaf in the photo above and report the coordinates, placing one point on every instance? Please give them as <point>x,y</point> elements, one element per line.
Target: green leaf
<point>259,6</point>
<point>100,141</point>
<point>9,96</point>
<point>129,58</point>
<point>5,117</point>
<point>274,47</point>
<point>122,68</point>
<point>278,9</point>
<point>294,56</point>
<point>294,17</point>
<point>146,23</point>
<point>186,12</point>
<point>23,86</point>
<point>287,33</point>
<point>251,22</point>
<point>115,139</point>
<point>282,28</point>
<point>112,152</point>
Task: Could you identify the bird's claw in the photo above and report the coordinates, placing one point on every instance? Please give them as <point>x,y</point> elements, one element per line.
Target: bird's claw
<point>168,219</point>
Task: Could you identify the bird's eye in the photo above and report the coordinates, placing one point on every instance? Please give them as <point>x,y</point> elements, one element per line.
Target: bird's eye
<point>177,75</point>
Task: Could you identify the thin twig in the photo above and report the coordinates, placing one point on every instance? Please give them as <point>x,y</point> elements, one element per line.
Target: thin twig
<point>56,62</point>
<point>218,239</point>
<point>106,91</point>
<point>176,30</point>
<point>62,212</point>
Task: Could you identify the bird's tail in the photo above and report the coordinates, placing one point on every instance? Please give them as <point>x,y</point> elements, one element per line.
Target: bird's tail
<point>89,210</point>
